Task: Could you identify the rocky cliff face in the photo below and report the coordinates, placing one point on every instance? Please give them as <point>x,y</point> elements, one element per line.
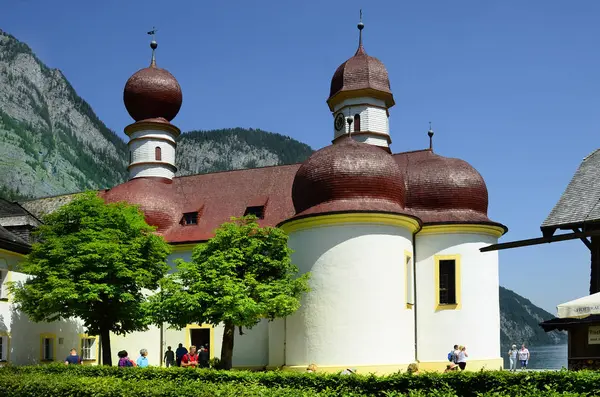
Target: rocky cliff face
<point>519,322</point>
<point>51,141</point>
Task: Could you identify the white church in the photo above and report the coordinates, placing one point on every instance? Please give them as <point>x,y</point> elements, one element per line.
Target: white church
<point>391,240</point>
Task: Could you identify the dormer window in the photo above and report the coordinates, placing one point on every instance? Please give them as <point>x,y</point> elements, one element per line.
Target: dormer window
<point>258,211</point>
<point>190,218</point>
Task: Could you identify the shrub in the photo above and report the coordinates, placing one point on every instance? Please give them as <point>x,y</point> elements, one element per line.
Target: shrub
<point>146,381</point>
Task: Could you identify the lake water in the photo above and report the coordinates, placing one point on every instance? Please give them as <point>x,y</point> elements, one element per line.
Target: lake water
<point>544,357</point>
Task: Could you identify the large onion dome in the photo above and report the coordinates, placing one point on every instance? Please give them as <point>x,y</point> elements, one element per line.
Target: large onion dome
<point>152,93</point>
<point>442,189</point>
<point>155,196</point>
<point>348,176</point>
<point>361,75</point>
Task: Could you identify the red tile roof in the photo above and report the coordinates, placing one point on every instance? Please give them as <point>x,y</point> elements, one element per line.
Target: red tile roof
<point>438,190</point>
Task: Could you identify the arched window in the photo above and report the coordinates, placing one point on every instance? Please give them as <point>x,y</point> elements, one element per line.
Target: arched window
<point>357,123</point>
<point>157,154</point>
<point>130,156</point>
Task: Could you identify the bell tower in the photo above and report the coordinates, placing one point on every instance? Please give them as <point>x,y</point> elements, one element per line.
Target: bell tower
<point>360,93</point>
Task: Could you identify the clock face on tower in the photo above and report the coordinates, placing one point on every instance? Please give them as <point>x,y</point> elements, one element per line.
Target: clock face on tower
<point>339,122</point>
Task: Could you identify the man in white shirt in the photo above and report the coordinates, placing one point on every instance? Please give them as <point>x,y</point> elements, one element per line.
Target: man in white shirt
<point>524,356</point>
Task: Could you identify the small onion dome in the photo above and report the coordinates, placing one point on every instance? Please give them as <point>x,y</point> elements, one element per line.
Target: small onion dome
<point>446,190</point>
<point>153,195</point>
<point>152,93</point>
<point>360,73</point>
<point>348,176</point>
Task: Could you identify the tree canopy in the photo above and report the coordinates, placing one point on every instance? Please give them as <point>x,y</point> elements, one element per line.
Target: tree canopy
<point>242,275</point>
<point>93,261</point>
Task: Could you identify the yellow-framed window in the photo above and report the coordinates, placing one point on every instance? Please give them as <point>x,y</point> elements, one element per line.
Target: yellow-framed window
<point>447,282</point>
<point>409,277</point>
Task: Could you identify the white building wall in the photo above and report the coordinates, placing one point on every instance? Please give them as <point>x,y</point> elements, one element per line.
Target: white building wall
<point>356,312</point>
<point>373,118</point>
<point>476,323</point>
<point>151,170</point>
<point>24,336</point>
<point>142,146</point>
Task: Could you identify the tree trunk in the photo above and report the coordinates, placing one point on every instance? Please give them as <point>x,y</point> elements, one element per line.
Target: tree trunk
<point>106,353</point>
<point>227,346</point>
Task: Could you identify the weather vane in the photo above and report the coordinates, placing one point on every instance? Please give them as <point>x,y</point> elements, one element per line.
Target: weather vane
<point>153,32</point>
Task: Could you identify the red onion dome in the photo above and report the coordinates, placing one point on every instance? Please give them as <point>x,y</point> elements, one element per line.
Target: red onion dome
<point>442,189</point>
<point>362,72</point>
<point>152,93</point>
<point>348,176</point>
<point>153,195</point>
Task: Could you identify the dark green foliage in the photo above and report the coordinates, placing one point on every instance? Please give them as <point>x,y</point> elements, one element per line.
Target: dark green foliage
<point>513,309</point>
<point>92,262</point>
<point>109,381</point>
<point>11,194</point>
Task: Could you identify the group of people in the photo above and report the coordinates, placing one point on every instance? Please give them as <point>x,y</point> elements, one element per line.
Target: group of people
<point>522,355</point>
<point>458,358</point>
<point>181,357</point>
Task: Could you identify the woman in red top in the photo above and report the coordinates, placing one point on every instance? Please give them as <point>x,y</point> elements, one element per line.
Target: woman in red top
<point>190,359</point>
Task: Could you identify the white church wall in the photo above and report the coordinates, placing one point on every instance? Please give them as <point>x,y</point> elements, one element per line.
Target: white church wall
<point>475,323</point>
<point>373,118</point>
<point>356,312</point>
<point>22,339</point>
<point>151,170</point>
<point>145,151</point>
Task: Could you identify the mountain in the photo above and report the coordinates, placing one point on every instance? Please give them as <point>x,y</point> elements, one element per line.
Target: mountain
<point>519,322</point>
<point>200,152</point>
<point>51,141</point>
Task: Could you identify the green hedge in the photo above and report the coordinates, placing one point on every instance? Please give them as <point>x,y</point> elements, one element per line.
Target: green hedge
<point>50,385</point>
<point>105,380</point>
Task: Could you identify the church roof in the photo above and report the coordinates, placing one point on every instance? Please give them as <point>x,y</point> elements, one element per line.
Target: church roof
<point>216,197</point>
<point>11,242</point>
<point>580,202</point>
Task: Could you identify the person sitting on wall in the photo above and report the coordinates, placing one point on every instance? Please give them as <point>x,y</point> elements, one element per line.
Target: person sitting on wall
<point>179,353</point>
<point>190,359</point>
<point>311,368</point>
<point>348,371</point>
<point>451,368</point>
<point>73,358</point>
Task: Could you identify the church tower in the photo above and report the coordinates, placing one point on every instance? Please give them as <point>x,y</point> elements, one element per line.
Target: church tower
<point>153,98</point>
<point>360,98</point>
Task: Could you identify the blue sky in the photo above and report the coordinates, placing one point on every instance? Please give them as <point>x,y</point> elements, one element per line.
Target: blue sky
<point>510,86</point>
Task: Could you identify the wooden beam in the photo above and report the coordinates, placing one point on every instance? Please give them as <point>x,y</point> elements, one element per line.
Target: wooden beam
<point>587,242</point>
<point>539,240</point>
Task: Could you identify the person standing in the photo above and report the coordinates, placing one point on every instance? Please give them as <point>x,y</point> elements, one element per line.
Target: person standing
<point>203,357</point>
<point>142,360</point>
<point>524,356</point>
<point>169,357</point>
<point>179,353</point>
<point>73,358</point>
<point>462,358</point>
<point>512,357</point>
<point>190,359</point>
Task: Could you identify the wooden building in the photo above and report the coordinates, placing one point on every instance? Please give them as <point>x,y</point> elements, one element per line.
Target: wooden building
<point>576,215</point>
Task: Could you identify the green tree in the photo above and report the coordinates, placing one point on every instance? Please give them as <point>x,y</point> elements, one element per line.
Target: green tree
<point>93,262</point>
<point>240,276</point>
